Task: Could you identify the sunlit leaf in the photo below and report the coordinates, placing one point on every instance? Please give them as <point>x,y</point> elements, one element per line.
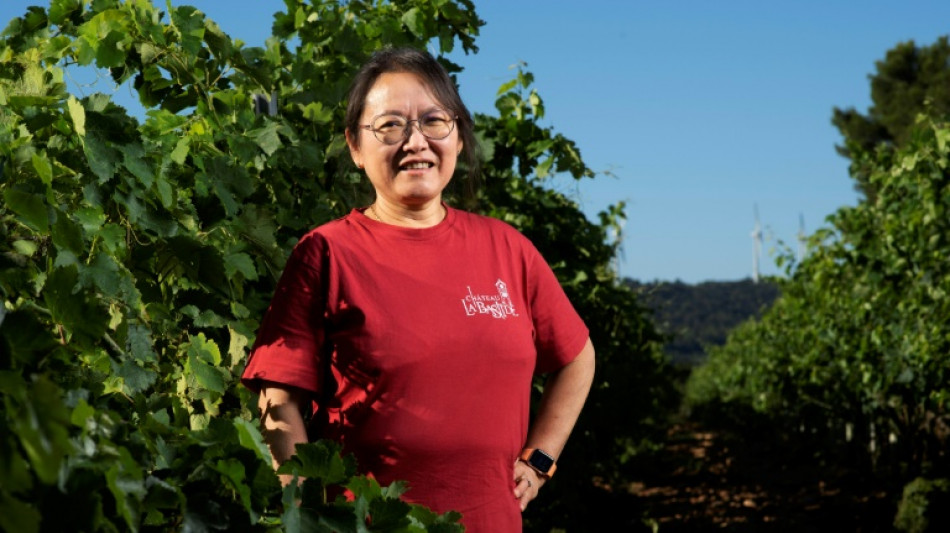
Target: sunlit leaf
<point>43,167</point>
<point>78,115</point>
<point>203,361</point>
<point>250,437</point>
<point>190,25</point>
<point>413,19</point>
<point>27,248</point>
<point>507,86</point>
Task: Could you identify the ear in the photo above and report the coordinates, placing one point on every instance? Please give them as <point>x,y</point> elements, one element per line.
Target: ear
<point>354,149</point>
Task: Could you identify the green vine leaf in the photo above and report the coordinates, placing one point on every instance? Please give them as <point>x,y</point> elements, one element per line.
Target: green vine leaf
<point>135,377</point>
<point>77,114</point>
<point>204,360</point>
<point>250,437</point>
<point>41,425</point>
<point>266,138</point>
<point>43,167</point>
<point>17,515</point>
<point>136,248</point>
<point>30,208</point>
<point>73,308</point>
<point>102,159</point>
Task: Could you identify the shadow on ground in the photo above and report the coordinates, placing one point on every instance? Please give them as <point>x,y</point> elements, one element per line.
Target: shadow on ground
<point>709,480</point>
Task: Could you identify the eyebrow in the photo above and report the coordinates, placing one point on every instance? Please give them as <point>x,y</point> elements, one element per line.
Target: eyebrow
<point>401,114</point>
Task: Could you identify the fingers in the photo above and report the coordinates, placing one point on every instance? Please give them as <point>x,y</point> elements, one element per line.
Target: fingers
<point>525,491</point>
<point>527,485</point>
<point>523,485</point>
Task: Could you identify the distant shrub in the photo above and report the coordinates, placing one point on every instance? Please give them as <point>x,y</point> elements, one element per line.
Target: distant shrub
<point>925,506</point>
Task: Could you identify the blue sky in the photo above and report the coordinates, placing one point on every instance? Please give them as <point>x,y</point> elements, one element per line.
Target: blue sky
<point>700,110</point>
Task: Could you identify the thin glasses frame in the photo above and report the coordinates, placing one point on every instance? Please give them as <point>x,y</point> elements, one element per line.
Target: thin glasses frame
<point>407,129</point>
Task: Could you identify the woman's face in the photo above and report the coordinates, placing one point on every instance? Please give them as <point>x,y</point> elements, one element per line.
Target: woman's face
<point>412,172</point>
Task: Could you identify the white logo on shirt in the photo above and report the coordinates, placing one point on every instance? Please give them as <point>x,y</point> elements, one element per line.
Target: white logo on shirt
<point>497,305</point>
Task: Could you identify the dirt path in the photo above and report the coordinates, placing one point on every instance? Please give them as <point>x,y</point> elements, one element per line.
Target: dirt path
<point>708,481</point>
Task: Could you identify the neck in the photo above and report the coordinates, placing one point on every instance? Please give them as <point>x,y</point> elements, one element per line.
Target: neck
<point>424,216</point>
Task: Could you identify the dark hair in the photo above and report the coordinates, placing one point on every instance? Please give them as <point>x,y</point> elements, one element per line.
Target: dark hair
<point>422,64</point>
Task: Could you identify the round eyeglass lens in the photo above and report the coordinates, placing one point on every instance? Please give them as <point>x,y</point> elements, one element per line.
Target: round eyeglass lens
<point>392,129</point>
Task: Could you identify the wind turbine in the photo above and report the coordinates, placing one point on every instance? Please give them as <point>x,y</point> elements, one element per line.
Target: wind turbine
<point>801,238</point>
<point>756,245</point>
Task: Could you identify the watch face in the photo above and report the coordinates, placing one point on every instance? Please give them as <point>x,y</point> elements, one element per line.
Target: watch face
<point>541,460</point>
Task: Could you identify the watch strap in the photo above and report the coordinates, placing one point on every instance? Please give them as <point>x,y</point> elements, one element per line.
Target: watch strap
<point>539,461</point>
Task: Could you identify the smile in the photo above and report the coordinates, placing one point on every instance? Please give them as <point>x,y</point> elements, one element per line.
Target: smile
<point>418,165</point>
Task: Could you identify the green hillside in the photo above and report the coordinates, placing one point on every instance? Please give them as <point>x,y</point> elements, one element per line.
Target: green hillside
<point>701,315</point>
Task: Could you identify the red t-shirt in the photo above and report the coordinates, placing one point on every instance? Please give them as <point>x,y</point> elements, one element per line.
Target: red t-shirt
<point>419,346</point>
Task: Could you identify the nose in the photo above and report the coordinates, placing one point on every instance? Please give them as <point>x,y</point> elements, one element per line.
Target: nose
<point>415,140</point>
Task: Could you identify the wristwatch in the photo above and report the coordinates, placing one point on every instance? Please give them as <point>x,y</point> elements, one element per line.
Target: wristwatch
<point>539,461</point>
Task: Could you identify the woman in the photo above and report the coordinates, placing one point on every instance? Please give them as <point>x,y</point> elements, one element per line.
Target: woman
<point>413,329</point>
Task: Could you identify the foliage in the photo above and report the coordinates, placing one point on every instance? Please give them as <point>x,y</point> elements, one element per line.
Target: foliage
<point>910,80</point>
<point>925,506</point>
<point>138,256</point>
<point>855,352</point>
<point>633,387</point>
<point>697,317</point>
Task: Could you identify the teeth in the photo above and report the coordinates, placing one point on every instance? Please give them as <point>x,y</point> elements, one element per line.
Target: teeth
<point>419,165</point>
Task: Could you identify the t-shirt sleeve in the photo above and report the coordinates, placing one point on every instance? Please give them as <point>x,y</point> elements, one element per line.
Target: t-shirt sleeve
<point>287,349</point>
<point>560,333</point>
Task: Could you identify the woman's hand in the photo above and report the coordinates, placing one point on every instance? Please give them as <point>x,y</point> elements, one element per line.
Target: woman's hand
<point>527,484</point>
<point>564,395</point>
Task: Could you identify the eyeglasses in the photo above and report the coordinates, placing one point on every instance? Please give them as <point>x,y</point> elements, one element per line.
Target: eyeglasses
<point>394,129</point>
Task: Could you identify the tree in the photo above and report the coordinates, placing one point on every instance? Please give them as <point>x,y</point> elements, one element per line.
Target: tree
<point>698,317</point>
<point>909,81</point>
<point>633,389</point>
<point>138,257</point>
<point>854,353</point>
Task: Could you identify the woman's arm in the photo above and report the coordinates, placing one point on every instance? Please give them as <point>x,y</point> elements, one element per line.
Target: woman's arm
<point>564,395</point>
<point>282,421</point>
